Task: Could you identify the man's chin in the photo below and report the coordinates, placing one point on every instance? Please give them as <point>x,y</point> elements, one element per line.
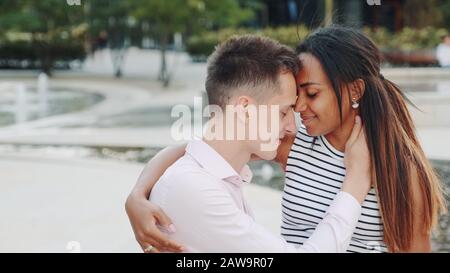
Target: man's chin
<point>269,155</point>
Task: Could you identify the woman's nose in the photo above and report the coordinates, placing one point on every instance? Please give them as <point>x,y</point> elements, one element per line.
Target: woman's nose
<point>300,104</point>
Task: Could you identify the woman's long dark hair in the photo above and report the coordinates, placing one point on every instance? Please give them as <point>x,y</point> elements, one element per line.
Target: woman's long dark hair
<point>347,55</point>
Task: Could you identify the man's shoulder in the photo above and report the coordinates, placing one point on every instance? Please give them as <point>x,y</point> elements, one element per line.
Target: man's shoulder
<point>186,168</point>
<point>186,179</point>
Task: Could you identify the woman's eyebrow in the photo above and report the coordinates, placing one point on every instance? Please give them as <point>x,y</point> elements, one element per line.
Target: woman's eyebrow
<point>303,85</point>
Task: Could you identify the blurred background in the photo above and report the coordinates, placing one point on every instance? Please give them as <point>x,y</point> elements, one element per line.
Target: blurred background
<point>87,89</point>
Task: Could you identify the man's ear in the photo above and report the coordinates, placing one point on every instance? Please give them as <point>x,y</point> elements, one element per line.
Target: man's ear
<point>241,107</point>
<point>243,100</point>
<point>357,89</point>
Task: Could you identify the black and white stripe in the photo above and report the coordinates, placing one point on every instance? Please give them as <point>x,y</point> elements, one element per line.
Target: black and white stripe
<point>314,175</point>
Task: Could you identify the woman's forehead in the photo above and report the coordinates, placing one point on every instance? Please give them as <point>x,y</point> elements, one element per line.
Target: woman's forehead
<point>311,69</point>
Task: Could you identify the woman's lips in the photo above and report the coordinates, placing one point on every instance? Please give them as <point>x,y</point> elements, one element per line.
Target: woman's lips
<point>308,119</point>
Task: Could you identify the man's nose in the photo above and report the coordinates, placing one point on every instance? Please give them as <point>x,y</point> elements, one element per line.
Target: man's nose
<point>290,127</point>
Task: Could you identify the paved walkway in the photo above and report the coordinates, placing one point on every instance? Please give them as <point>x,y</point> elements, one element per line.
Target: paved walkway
<point>48,202</point>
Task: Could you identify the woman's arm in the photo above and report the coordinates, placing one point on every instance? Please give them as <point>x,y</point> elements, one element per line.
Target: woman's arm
<point>357,163</point>
<point>283,150</point>
<point>156,167</point>
<point>145,216</point>
<point>212,222</point>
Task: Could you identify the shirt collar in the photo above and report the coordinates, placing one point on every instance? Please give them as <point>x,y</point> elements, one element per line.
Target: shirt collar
<point>215,164</point>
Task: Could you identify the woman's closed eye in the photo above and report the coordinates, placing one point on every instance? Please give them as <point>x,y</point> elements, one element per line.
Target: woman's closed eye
<point>311,94</point>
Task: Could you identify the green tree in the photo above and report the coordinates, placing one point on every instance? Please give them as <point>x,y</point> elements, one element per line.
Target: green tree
<point>51,24</point>
<point>193,16</point>
<point>444,6</point>
<point>111,17</point>
<point>420,14</point>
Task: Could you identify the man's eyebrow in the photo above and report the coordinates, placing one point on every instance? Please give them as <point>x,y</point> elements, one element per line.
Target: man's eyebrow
<point>303,85</point>
<point>289,105</point>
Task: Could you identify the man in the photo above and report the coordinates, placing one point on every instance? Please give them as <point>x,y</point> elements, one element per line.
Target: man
<point>443,52</point>
<point>202,191</point>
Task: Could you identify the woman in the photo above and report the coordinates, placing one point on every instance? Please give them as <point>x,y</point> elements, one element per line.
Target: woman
<point>340,79</point>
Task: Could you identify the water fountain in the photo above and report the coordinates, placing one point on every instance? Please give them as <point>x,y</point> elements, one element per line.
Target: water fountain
<point>43,93</point>
<point>21,109</point>
<point>23,102</point>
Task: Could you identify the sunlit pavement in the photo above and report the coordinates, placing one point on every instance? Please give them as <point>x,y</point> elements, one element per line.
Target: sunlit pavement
<point>49,204</point>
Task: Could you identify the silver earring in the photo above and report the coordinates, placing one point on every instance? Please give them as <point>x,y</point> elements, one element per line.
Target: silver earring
<point>355,104</point>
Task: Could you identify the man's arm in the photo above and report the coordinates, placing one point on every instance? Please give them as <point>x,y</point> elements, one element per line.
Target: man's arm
<point>145,216</point>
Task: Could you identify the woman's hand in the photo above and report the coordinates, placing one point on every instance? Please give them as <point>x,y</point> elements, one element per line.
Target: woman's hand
<point>146,220</point>
<point>144,216</point>
<point>357,162</point>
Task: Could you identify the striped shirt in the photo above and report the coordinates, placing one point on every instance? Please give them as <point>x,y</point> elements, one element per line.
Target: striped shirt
<point>314,175</point>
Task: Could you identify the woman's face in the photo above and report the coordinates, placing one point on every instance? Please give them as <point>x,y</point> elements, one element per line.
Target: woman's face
<point>317,102</point>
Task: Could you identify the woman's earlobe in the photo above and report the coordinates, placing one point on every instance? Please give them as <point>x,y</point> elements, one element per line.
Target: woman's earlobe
<point>357,92</point>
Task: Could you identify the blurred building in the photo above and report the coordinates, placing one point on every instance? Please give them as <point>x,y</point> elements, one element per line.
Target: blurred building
<point>348,12</point>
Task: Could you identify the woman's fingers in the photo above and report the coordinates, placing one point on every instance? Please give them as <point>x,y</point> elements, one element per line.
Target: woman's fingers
<point>150,225</point>
<point>160,240</point>
<point>149,247</point>
<point>164,221</point>
<point>154,250</point>
<point>356,131</point>
<point>357,156</point>
<point>166,224</point>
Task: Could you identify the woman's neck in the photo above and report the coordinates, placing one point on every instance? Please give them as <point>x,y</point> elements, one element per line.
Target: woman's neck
<point>338,138</point>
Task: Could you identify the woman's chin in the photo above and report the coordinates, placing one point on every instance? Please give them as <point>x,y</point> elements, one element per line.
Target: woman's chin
<point>310,130</point>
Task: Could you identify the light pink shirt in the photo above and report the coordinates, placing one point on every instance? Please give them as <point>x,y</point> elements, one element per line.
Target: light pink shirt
<point>202,194</point>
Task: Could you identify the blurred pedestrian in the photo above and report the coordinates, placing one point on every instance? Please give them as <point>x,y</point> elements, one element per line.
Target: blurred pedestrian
<point>443,51</point>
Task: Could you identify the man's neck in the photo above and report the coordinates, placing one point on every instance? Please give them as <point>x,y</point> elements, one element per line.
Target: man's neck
<point>232,151</point>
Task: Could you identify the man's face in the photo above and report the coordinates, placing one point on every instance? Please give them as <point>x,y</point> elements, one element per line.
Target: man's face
<point>279,118</point>
<point>447,40</point>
